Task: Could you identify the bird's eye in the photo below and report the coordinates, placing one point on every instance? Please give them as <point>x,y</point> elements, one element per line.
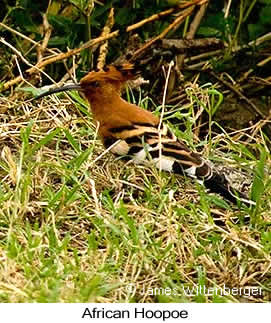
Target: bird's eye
<point>95,84</point>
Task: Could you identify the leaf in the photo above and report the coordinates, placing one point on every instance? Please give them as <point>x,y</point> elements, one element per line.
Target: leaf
<point>25,134</point>
<point>22,18</point>
<point>265,15</point>
<point>32,90</point>
<point>124,16</point>
<point>45,140</point>
<point>72,141</point>
<point>131,224</point>
<point>208,32</point>
<point>213,93</point>
<point>76,162</point>
<point>57,41</point>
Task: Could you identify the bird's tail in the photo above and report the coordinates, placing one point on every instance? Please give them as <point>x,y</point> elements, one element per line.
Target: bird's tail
<point>218,183</point>
<point>171,154</point>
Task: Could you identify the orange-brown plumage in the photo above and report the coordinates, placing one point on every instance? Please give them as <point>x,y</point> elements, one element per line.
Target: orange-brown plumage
<point>127,129</point>
<point>102,89</point>
<point>111,111</point>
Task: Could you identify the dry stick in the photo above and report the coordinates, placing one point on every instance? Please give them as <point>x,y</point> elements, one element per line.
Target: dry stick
<point>106,30</point>
<point>183,45</point>
<point>257,81</point>
<point>259,40</point>
<point>196,22</point>
<point>162,115</point>
<point>240,94</point>
<point>20,71</point>
<point>59,57</point>
<point>191,3</point>
<point>256,42</point>
<point>203,55</point>
<point>88,44</point>
<point>192,31</point>
<point>68,75</point>
<point>47,31</point>
<point>260,64</point>
<point>172,26</point>
<point>96,41</point>
<point>47,34</point>
<point>176,22</point>
<point>265,61</point>
<point>25,37</point>
<point>15,50</point>
<point>190,35</point>
<point>227,10</point>
<point>2,40</point>
<point>162,14</point>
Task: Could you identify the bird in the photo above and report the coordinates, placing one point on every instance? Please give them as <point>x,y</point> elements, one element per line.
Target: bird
<point>131,131</point>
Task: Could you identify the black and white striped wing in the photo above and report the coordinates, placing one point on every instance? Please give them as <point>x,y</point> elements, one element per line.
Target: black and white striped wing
<point>145,143</point>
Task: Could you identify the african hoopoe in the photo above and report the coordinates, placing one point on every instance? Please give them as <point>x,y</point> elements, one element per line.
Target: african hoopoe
<point>134,132</point>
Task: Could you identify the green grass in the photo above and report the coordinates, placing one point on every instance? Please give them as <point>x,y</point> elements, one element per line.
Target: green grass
<point>77,229</point>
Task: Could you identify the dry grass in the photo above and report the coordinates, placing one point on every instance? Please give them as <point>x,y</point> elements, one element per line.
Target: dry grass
<point>73,229</point>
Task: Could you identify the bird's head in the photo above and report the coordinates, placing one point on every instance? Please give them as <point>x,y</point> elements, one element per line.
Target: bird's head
<point>110,78</point>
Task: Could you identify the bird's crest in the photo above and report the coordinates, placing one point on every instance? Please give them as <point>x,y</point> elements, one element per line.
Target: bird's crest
<point>120,73</point>
<point>113,73</point>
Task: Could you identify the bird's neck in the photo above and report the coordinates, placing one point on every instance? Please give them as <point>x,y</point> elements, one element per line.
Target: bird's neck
<point>104,102</point>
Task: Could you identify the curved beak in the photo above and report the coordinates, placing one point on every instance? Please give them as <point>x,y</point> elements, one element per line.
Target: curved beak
<point>64,88</point>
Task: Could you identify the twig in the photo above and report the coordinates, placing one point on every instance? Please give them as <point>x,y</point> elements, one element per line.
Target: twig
<point>256,42</point>
<point>227,11</point>
<point>107,150</point>
<point>183,45</point>
<point>15,50</point>
<point>259,40</point>
<point>203,55</point>
<point>240,94</point>
<point>191,33</point>
<point>265,61</point>
<point>90,43</point>
<point>70,74</point>
<point>47,34</point>
<point>162,114</point>
<point>164,13</point>
<point>106,30</point>
<point>59,57</point>
<point>26,38</point>
<point>20,78</point>
<point>187,12</point>
<point>196,21</point>
<point>20,71</point>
